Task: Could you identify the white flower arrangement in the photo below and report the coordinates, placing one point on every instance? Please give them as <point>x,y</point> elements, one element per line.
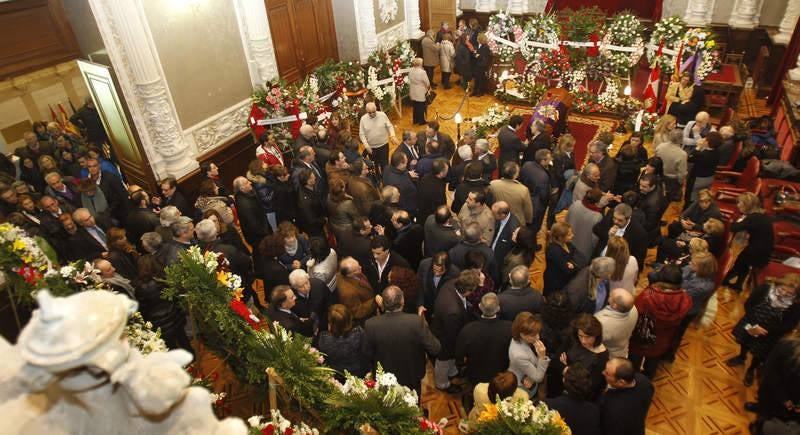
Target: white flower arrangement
<point>494,117</point>
<point>624,30</point>
<point>700,41</point>
<point>575,79</point>
<point>670,30</point>
<point>608,98</point>
<point>280,424</point>
<point>525,412</point>
<point>85,275</point>
<point>25,247</point>
<point>543,28</point>
<point>391,393</point>
<point>141,335</point>
<point>388,10</point>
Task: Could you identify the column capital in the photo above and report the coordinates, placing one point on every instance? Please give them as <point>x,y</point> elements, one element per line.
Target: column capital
<point>787,26</point>
<point>413,21</point>
<point>128,40</point>
<point>485,5</point>
<point>746,14</point>
<point>698,12</point>
<point>257,38</point>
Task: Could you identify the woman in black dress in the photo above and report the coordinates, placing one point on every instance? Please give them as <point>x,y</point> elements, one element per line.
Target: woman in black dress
<point>704,160</point>
<point>341,343</point>
<point>758,227</point>
<point>771,311</point>
<point>587,349</point>
<point>563,259</point>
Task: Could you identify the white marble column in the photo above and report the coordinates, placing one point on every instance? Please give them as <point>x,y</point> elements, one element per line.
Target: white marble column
<point>254,26</point>
<point>794,73</point>
<point>127,38</point>
<point>788,23</point>
<point>368,39</point>
<point>413,21</point>
<point>517,7</point>
<point>746,14</point>
<point>485,5</point>
<point>698,12</point>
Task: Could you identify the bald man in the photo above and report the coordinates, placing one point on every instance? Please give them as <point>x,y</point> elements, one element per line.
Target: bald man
<point>505,225</point>
<point>618,319</point>
<point>375,130</point>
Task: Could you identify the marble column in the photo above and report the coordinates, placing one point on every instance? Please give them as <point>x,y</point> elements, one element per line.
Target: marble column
<point>485,5</point>
<point>746,14</point>
<point>794,73</point>
<point>517,7</point>
<point>366,28</point>
<point>254,25</point>
<point>128,40</point>
<point>788,23</point>
<point>698,12</point>
<point>413,21</point>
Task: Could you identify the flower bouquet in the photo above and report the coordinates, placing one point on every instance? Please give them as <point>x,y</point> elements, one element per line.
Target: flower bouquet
<point>551,64</point>
<point>585,101</point>
<point>23,261</point>
<point>494,117</point>
<point>501,25</point>
<point>583,24</point>
<point>518,417</point>
<point>699,43</point>
<point>278,425</point>
<point>141,335</point>
<point>670,30</point>
<point>379,401</point>
<point>542,28</point>
<point>648,126</point>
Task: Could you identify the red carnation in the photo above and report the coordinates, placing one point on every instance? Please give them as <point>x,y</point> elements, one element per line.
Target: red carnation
<point>269,429</point>
<point>288,431</point>
<point>370,383</point>
<point>594,50</point>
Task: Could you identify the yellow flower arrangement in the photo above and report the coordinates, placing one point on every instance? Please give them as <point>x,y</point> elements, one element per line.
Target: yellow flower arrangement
<point>238,294</point>
<point>18,245</point>
<point>489,413</point>
<point>559,421</point>
<point>711,44</point>
<point>222,277</point>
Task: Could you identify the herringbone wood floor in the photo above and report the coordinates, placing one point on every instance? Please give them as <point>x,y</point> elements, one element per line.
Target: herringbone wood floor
<point>697,394</point>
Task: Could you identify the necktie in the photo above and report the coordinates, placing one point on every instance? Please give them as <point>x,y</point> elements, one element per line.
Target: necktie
<point>496,234</point>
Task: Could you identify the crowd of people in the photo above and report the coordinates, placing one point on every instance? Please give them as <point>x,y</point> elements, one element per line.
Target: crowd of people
<point>367,254</point>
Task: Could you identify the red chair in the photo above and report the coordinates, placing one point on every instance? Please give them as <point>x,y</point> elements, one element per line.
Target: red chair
<point>744,181</point>
<point>727,116</point>
<point>776,269</point>
<point>728,166</point>
<point>726,200</point>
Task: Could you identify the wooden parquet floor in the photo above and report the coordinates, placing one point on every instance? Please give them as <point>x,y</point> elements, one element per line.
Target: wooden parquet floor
<point>697,394</point>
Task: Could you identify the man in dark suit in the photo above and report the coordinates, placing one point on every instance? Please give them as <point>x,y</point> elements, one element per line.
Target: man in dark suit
<point>652,204</point>
<point>432,154</point>
<point>141,218</point>
<point>89,241</point>
<point>505,225</point>
<point>598,153</point>
<point>433,272</point>
<point>399,341</point>
<point>281,301</point>
<point>409,238</point>
<point>411,149</point>
<point>510,143</point>
<point>433,189</point>
<point>519,296</point>
<point>536,178</point>
<point>312,298</point>
<point>432,134</point>
<point>172,196</point>
<point>623,226</point>
<point>480,65</point>
<point>33,148</point>
<point>441,231</point>
<point>624,406</point>
<point>381,263</point>
<point>398,175</point>
<point>472,243</point>
<point>538,140</point>
<point>356,243</point>
<point>449,317</point>
<point>485,156</point>
<point>472,182</point>
<point>112,189</point>
<point>482,346</point>
<point>306,158</point>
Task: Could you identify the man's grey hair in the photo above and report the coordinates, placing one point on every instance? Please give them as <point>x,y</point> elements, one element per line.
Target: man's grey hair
<point>408,134</point>
<point>78,212</point>
<point>598,145</point>
<point>603,267</point>
<point>539,125</point>
<point>541,154</point>
<point>465,152</point>
<point>371,106</point>
<point>622,298</point>
<point>392,299</point>
<point>151,241</point>
<point>238,182</point>
<point>489,305</point>
<point>471,133</point>
<point>206,230</point>
<point>588,168</point>
<point>179,228</point>
<point>623,210</point>
<point>519,276</point>
<point>390,193</point>
<point>676,136</point>
<point>472,233</point>
<point>168,215</point>
<point>481,146</point>
<point>298,277</point>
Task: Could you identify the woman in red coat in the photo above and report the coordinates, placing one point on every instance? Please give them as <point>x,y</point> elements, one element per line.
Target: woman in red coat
<point>666,303</point>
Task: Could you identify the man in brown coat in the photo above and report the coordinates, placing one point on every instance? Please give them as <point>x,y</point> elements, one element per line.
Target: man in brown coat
<point>430,54</point>
<point>354,290</point>
<point>513,192</point>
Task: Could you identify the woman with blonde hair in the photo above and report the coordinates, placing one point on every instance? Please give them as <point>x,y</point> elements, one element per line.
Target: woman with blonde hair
<point>679,98</point>
<point>626,268</point>
<point>563,259</point>
<point>663,128</point>
<point>760,240</point>
<point>419,85</point>
<point>588,291</point>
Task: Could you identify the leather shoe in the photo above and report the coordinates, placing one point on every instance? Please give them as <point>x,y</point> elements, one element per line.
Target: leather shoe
<point>735,361</point>
<point>748,378</point>
<point>452,389</point>
<point>751,406</point>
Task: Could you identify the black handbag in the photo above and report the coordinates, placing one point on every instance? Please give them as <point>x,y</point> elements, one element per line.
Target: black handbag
<point>645,330</point>
<point>430,97</point>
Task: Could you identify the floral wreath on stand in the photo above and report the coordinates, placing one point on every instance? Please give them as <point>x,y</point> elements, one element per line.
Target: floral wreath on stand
<point>624,30</point>
<point>518,416</point>
<point>552,65</point>
<point>541,28</point>
<point>700,43</point>
<point>500,26</point>
<point>671,31</point>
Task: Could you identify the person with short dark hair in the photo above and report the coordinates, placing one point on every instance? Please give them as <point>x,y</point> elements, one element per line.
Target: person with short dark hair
<point>535,176</point>
<point>587,350</point>
<point>398,175</point>
<point>624,406</point>
<point>473,181</point>
<point>442,231</point>
<point>433,189</point>
<point>581,414</point>
<point>502,386</point>
<point>509,142</point>
<point>281,301</point>
<point>382,260</point>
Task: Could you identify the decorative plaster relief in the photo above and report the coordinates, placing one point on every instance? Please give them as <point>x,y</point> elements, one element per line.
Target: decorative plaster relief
<point>211,133</point>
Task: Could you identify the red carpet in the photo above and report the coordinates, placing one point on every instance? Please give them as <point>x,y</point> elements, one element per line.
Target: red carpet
<point>583,127</point>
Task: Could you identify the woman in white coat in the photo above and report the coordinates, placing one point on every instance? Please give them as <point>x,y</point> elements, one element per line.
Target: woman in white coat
<point>418,90</point>
<point>447,56</point>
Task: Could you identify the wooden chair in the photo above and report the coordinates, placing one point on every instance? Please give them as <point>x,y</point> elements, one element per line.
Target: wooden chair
<point>727,116</point>
<point>734,58</point>
<point>722,47</point>
<point>718,98</point>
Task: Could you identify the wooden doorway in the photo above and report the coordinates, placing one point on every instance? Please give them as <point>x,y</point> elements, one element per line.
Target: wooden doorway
<point>303,34</point>
<point>441,11</point>
<point>129,153</point>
